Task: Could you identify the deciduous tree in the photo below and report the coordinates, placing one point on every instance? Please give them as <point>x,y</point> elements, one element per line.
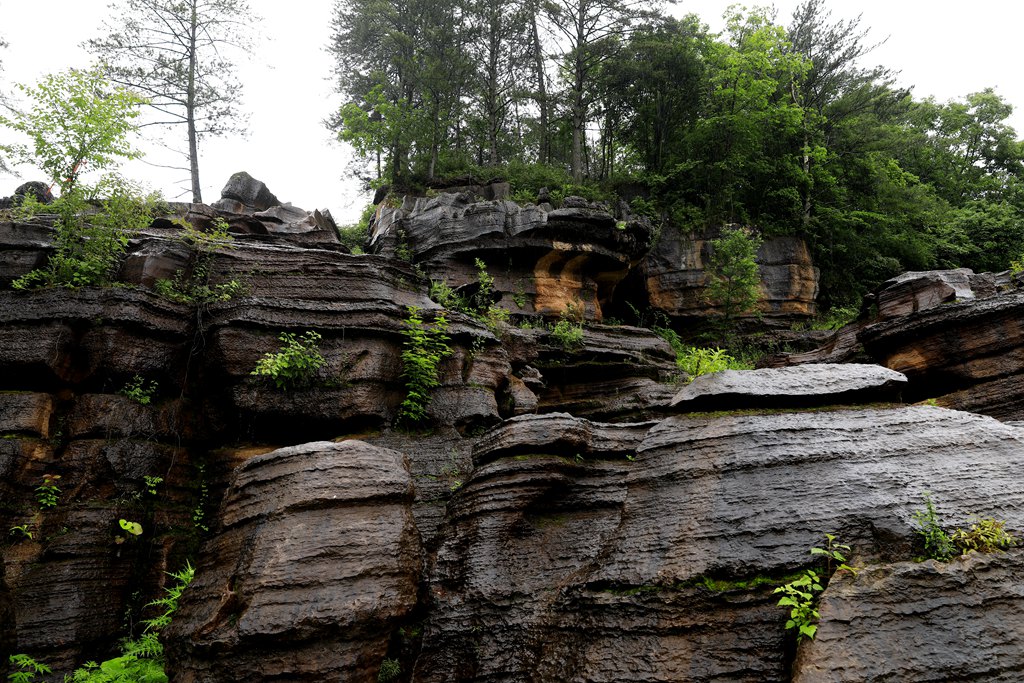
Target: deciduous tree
<point>174,53</point>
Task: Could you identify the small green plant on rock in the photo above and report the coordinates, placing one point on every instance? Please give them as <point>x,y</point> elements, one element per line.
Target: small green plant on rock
<point>425,346</point>
<point>695,361</point>
<point>47,493</point>
<point>24,669</point>
<point>152,483</point>
<point>937,543</point>
<point>985,536</point>
<point>390,670</point>
<point>568,334</point>
<point>139,390</point>
<point>801,594</point>
<point>21,531</point>
<point>296,364</point>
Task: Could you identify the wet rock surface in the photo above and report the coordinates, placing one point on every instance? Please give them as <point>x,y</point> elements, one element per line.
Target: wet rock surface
<point>929,621</point>
<point>330,520</point>
<point>800,386</point>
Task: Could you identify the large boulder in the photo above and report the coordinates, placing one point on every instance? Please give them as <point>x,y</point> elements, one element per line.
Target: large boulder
<point>648,552</point>
<point>314,562</point>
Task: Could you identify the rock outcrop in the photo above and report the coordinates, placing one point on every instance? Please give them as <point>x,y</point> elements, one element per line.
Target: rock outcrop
<point>928,621</point>
<point>314,562</point>
<point>554,518</point>
<point>675,277</point>
<point>543,260</point>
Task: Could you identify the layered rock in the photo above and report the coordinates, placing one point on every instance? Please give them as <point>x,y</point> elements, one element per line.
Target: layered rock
<point>803,386</point>
<point>543,260</point>
<point>585,552</point>
<point>675,276</point>
<point>967,355</point>
<point>921,622</point>
<point>315,560</point>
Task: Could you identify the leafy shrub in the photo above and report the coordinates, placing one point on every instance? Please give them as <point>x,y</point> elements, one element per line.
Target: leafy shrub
<point>24,669</point>
<point>837,317</point>
<point>425,346</point>
<point>48,493</point>
<point>801,595</point>
<point>479,305</point>
<point>734,277</point>
<point>568,334</point>
<point>695,361</point>
<point>937,543</point>
<point>90,244</point>
<point>139,391</point>
<point>296,364</point>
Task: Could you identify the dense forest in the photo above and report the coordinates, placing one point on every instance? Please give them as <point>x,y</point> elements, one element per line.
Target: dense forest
<point>779,126</point>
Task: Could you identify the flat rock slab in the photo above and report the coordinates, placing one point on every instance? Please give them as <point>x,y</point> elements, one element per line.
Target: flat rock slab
<point>802,386</point>
<point>958,621</point>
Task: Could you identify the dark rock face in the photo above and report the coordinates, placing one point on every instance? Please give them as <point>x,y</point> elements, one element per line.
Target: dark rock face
<point>966,355</point>
<point>566,560</point>
<point>802,386</point>
<point>543,260</point>
<point>921,622</point>
<point>676,277</point>
<point>326,519</point>
<point>245,194</point>
<point>553,520</point>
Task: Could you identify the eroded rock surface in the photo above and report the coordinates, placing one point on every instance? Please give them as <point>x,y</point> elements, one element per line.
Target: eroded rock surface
<point>676,277</point>
<point>314,562</point>
<point>800,386</point>
<point>570,556</point>
<point>929,621</point>
<point>543,260</point>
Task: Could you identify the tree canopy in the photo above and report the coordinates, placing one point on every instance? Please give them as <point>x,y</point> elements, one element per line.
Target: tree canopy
<point>173,52</point>
<point>783,127</point>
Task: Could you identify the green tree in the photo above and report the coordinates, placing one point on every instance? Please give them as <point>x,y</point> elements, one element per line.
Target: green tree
<point>589,32</point>
<point>173,51</point>
<point>76,122</point>
<point>734,281</point>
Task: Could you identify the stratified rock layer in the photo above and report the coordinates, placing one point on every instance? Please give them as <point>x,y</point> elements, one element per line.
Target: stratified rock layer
<point>802,386</point>
<point>675,275</point>
<point>578,552</point>
<point>314,562</point>
<point>910,622</point>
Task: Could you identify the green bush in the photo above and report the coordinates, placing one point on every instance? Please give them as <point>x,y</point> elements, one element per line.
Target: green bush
<point>985,536</point>
<point>139,390</point>
<point>734,276</point>
<point>568,334</point>
<point>296,364</point>
<point>425,346</point>
<point>801,595</point>
<point>90,244</point>
<point>695,361</point>
<point>390,670</point>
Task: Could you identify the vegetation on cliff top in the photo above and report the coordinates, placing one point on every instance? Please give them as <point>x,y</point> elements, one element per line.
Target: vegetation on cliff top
<point>782,127</point>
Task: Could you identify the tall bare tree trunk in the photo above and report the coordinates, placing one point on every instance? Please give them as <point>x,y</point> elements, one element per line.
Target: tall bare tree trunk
<point>544,153</point>
<point>190,110</point>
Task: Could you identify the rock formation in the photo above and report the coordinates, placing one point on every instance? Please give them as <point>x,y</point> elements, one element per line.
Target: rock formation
<point>554,518</point>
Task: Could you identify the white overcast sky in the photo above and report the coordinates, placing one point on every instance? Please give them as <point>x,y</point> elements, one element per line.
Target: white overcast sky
<point>942,48</point>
